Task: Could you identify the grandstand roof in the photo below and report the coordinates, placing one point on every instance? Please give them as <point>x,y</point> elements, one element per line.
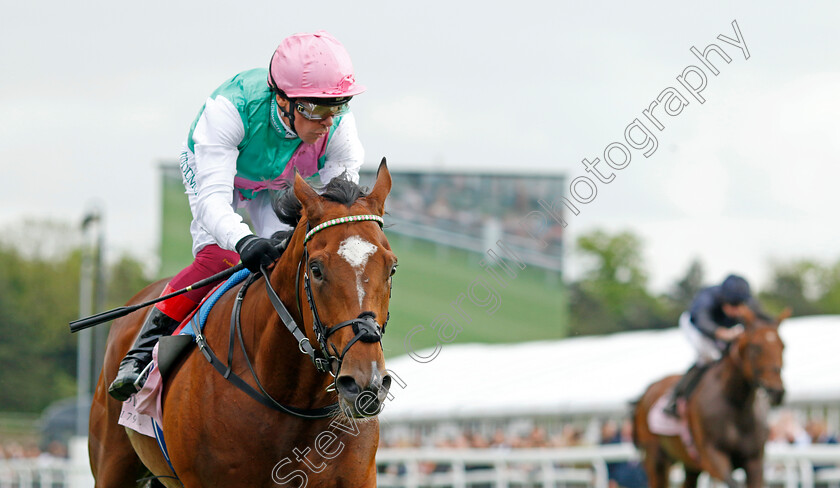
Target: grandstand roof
<point>587,374</point>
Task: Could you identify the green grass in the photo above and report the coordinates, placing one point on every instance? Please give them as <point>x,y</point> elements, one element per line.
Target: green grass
<point>176,241</point>
<point>532,306</point>
<point>19,427</point>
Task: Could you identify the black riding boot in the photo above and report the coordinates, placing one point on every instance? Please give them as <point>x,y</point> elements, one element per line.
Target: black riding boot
<point>684,387</point>
<point>156,325</point>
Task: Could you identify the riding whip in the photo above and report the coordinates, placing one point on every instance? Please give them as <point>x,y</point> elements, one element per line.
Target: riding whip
<point>116,313</point>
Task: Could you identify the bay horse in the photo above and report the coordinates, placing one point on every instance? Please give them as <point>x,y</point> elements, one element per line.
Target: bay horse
<point>726,416</point>
<point>338,264</point>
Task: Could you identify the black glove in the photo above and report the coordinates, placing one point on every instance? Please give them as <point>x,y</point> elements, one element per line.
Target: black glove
<point>256,251</point>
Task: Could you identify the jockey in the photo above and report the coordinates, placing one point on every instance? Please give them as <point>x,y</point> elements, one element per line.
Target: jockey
<point>710,324</point>
<point>248,139</point>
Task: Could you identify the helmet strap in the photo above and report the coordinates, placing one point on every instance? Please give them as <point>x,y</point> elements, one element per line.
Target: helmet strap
<point>289,114</point>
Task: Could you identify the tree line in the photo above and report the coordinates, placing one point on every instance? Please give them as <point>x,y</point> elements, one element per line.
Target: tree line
<point>39,295</point>
<point>613,294</point>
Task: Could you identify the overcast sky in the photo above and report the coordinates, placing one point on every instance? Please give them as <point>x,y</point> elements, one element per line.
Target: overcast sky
<point>93,95</point>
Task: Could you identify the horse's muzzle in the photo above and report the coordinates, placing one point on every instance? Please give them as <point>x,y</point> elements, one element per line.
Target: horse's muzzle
<point>775,395</point>
<point>362,402</point>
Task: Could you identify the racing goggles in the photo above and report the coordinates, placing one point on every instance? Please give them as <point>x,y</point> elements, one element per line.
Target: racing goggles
<point>314,111</point>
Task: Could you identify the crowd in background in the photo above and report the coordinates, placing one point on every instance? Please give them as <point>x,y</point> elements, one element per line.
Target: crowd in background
<point>785,427</point>
<point>465,203</point>
<point>788,429</point>
<point>500,439</point>
<point>538,437</point>
<point>30,450</point>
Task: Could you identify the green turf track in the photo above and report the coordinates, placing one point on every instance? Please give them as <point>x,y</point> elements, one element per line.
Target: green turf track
<point>429,278</point>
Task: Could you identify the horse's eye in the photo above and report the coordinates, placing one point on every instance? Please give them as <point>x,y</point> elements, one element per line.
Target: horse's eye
<point>393,270</point>
<point>315,268</point>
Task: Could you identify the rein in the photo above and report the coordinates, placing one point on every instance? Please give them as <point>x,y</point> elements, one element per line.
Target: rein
<point>365,328</point>
<point>261,396</point>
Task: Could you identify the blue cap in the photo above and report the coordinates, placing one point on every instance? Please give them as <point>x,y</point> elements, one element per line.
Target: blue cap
<point>735,290</point>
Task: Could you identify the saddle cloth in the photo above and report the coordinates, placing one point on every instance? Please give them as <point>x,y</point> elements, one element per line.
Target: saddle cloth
<point>136,415</point>
<point>137,418</point>
<point>660,423</point>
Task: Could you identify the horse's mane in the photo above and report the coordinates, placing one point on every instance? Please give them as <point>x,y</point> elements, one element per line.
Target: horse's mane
<point>339,190</point>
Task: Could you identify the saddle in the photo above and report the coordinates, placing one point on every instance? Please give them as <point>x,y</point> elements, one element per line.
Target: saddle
<point>171,348</point>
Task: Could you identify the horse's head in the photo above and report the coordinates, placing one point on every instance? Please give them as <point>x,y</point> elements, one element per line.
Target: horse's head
<point>759,353</point>
<point>347,266</point>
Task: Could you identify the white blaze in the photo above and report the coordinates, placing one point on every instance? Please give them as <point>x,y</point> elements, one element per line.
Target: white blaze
<point>356,251</point>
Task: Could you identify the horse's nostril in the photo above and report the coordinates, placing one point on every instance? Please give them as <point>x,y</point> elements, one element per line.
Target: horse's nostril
<point>386,383</point>
<point>347,386</point>
<point>776,395</point>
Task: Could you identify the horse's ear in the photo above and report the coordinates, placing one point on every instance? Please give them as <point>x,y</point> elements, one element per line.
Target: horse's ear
<point>381,189</point>
<point>747,317</point>
<point>309,199</point>
<point>786,313</point>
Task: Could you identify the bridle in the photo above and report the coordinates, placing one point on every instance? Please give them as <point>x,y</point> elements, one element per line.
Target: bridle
<point>365,328</point>
<point>750,356</point>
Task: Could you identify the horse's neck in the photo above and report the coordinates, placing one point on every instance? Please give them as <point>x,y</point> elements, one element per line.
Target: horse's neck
<point>276,357</point>
<point>284,280</point>
<point>734,385</point>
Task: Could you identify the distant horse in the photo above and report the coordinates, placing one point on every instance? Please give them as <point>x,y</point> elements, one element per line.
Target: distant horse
<point>335,282</point>
<point>727,418</point>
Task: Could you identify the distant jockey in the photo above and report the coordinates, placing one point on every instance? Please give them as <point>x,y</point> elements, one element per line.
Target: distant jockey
<point>710,324</point>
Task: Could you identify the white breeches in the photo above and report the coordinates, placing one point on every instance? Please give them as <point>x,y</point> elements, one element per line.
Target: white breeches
<point>706,348</point>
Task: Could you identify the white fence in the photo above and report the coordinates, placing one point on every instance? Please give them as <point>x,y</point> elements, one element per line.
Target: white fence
<point>30,473</point>
<point>786,466</point>
<point>49,472</point>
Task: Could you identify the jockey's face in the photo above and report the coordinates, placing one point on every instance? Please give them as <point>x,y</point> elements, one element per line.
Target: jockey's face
<point>734,311</point>
<point>309,131</point>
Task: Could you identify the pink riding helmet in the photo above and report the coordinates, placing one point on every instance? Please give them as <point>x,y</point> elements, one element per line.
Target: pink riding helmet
<point>313,66</point>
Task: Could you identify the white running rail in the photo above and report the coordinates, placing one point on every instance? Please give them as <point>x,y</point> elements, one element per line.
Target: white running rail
<point>785,466</point>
